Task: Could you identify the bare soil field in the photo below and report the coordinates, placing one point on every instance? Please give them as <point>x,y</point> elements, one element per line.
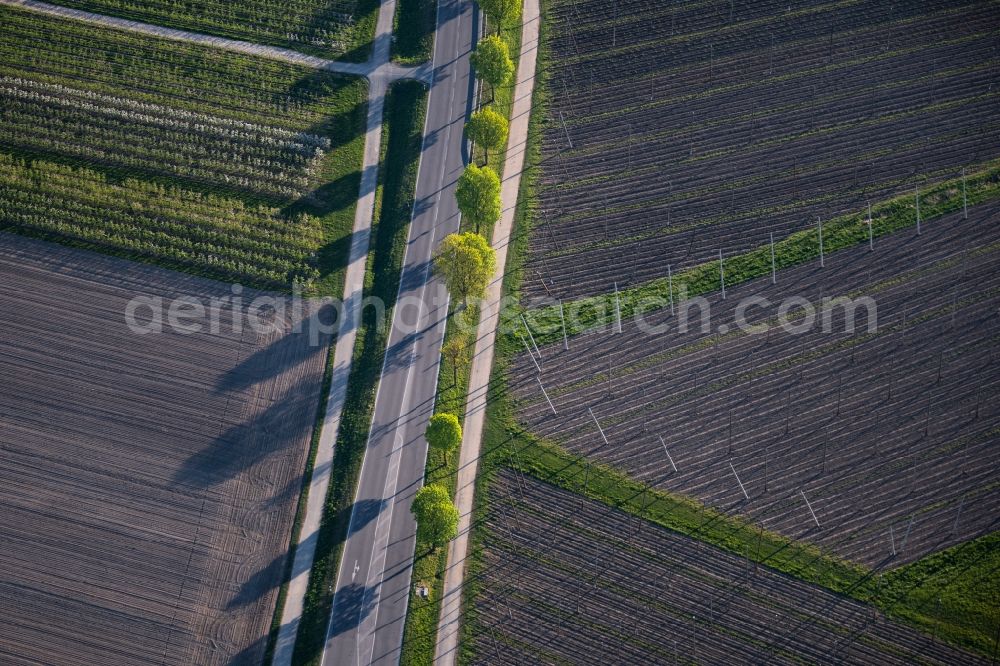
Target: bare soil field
<point>568,580</point>
<point>892,434</point>
<point>676,130</point>
<point>147,482</point>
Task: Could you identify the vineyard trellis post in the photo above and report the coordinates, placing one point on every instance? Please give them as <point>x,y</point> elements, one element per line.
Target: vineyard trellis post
<point>916,200</point>
<point>532,337</point>
<point>664,445</point>
<point>598,424</point>
<point>722,274</point>
<point>495,646</point>
<point>562,118</point>
<point>528,349</point>
<point>545,394</point>
<point>809,506</point>
<point>892,541</point>
<point>618,311</point>
<point>737,476</point>
<point>562,318</point>
<point>909,526</point>
<point>958,515</point>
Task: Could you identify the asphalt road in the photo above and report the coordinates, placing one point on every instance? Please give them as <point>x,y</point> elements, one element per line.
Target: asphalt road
<point>369,607</point>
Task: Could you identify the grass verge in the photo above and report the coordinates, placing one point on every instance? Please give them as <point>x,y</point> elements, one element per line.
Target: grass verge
<point>953,594</point>
<point>403,127</point>
<point>414,31</point>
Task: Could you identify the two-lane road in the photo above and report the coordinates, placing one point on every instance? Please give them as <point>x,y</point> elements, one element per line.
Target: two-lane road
<point>373,583</point>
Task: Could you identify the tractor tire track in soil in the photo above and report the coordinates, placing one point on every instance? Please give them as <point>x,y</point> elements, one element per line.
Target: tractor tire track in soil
<point>148,482</point>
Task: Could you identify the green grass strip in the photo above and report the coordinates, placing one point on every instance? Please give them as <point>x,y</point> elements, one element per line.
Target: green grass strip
<point>414,31</point>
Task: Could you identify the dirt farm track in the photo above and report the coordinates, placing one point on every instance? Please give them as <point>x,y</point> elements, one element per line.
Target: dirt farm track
<point>147,482</point>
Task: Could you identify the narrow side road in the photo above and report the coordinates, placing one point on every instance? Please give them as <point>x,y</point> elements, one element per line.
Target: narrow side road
<point>346,337</point>
<point>446,649</point>
<point>375,68</point>
<point>373,583</point>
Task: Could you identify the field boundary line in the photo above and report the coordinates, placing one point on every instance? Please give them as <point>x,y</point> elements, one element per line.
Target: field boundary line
<point>446,646</point>
<point>374,68</point>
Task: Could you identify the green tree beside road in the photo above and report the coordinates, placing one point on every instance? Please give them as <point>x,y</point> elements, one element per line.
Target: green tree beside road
<point>444,433</point>
<point>501,12</point>
<point>492,61</point>
<point>478,195</point>
<point>466,263</point>
<point>488,129</point>
<point>437,517</point>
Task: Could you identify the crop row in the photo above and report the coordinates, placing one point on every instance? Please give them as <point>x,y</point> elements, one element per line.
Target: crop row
<point>144,465</point>
<point>696,57</point>
<point>567,579</point>
<point>691,115</point>
<point>291,23</point>
<point>721,202</point>
<point>701,37</point>
<point>846,231</point>
<point>812,409</point>
<point>734,135</point>
<point>173,74</point>
<point>106,131</point>
<point>220,237</point>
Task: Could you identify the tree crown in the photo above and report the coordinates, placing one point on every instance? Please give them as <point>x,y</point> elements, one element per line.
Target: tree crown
<point>444,432</point>
<point>487,128</point>
<point>501,11</point>
<point>436,515</point>
<point>466,263</point>
<point>478,195</point>
<point>492,61</point>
